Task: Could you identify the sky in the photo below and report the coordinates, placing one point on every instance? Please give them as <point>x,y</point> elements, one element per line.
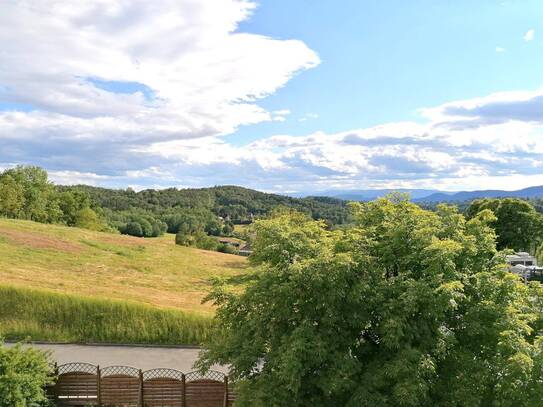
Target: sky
<point>287,96</point>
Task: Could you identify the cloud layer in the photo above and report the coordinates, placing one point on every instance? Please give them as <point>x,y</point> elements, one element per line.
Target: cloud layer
<point>140,93</point>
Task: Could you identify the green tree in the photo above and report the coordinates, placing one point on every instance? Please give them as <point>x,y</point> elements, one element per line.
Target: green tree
<point>38,193</point>
<point>228,229</point>
<point>518,225</point>
<point>88,219</point>
<point>71,203</point>
<point>24,373</point>
<point>183,238</point>
<point>12,198</point>
<point>133,229</point>
<point>406,308</point>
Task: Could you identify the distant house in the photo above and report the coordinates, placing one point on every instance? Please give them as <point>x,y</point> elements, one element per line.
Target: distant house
<point>245,250</point>
<point>525,265</point>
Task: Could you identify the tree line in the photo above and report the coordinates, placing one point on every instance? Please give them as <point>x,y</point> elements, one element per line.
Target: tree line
<point>195,214</point>
<point>192,214</point>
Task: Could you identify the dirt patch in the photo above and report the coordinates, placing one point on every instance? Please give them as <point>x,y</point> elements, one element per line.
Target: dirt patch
<point>38,241</point>
<point>124,240</point>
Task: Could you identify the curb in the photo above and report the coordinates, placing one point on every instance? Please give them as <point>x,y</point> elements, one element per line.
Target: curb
<point>124,345</point>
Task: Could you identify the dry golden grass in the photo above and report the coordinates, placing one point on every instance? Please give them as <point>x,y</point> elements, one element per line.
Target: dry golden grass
<point>77,261</point>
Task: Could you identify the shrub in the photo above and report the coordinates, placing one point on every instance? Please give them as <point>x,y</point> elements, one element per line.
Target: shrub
<point>205,242</point>
<point>226,248</point>
<point>133,229</point>
<point>24,373</point>
<point>183,239</point>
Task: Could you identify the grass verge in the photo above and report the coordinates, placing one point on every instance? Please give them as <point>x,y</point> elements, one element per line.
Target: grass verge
<point>46,316</point>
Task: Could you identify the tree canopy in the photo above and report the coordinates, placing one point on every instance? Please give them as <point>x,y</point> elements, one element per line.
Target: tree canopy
<point>518,225</point>
<point>27,193</point>
<point>406,308</point>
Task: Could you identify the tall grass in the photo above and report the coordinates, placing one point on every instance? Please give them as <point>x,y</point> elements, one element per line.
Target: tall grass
<point>42,315</point>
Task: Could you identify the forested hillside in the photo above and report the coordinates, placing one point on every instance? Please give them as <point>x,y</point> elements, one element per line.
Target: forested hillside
<point>26,193</point>
<point>237,204</point>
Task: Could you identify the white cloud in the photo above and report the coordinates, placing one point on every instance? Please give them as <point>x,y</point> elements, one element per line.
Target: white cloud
<point>500,50</point>
<point>280,115</point>
<point>308,116</point>
<point>194,79</point>
<point>529,36</point>
<point>205,77</point>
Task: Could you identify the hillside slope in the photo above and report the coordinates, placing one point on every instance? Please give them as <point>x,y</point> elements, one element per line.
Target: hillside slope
<point>102,265</point>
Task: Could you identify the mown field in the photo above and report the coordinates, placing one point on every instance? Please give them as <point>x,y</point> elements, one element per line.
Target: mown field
<point>69,284</point>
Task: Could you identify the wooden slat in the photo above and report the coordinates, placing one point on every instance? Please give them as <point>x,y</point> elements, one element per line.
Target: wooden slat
<point>204,393</point>
<point>120,390</point>
<point>163,392</point>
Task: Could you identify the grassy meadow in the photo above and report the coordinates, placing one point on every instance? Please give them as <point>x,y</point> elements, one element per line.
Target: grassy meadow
<point>70,284</point>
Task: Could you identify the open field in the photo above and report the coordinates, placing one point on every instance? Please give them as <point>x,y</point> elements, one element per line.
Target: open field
<point>102,265</point>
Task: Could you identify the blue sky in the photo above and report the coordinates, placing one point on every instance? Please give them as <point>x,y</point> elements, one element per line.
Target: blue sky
<point>284,96</point>
<point>383,60</point>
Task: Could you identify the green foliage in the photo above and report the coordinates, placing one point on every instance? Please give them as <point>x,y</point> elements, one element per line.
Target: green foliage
<point>234,204</point>
<point>11,197</point>
<point>47,316</point>
<point>86,218</point>
<point>197,239</point>
<point>518,225</point>
<point>133,229</point>
<point>205,242</point>
<point>227,248</point>
<point>24,373</point>
<point>406,308</point>
<point>138,223</point>
<point>184,239</point>
<point>26,193</point>
<point>539,254</point>
<point>228,229</point>
<point>32,195</point>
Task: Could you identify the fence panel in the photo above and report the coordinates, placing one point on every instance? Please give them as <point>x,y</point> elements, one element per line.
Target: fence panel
<point>205,391</point>
<point>76,385</point>
<point>163,387</point>
<point>120,386</point>
<point>82,384</point>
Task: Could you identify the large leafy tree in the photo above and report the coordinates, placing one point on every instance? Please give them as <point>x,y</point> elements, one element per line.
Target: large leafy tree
<point>407,308</point>
<point>12,198</point>
<point>38,201</point>
<point>518,225</point>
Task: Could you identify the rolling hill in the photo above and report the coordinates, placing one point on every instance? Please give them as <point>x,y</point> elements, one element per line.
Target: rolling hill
<point>68,284</point>
<point>78,261</point>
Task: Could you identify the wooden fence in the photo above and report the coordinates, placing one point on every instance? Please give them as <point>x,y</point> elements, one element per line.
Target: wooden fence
<point>85,385</point>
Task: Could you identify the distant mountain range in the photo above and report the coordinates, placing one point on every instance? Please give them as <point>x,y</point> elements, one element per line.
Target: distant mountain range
<point>433,196</point>
<point>531,192</point>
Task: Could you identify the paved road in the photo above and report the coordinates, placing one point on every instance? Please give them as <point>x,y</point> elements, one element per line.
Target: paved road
<point>140,357</point>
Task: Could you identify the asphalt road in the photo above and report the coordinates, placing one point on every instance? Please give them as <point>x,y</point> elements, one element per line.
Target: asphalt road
<point>140,357</point>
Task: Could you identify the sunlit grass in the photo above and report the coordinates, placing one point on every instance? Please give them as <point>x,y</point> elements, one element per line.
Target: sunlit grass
<point>42,315</point>
<point>102,265</point>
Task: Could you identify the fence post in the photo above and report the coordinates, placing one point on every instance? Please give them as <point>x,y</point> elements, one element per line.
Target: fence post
<point>225,404</point>
<point>141,389</point>
<point>51,389</point>
<point>183,386</point>
<point>98,386</point>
